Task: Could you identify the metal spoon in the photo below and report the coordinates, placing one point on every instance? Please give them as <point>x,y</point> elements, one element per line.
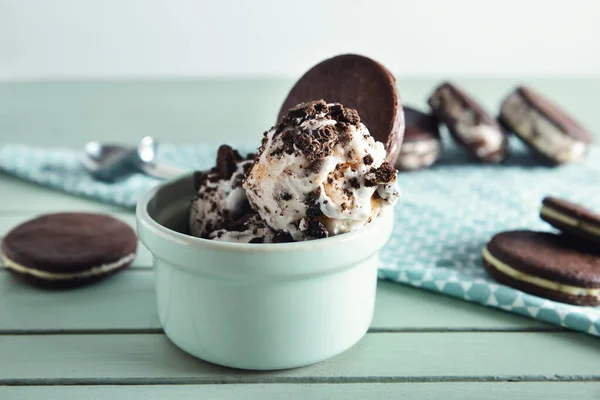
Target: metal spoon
<point>145,156</point>
<point>108,162</point>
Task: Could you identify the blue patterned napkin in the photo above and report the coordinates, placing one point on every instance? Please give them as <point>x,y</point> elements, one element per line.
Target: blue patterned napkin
<point>444,218</point>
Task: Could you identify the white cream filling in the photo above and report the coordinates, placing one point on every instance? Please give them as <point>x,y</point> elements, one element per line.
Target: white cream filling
<point>525,120</point>
<point>488,138</point>
<point>565,219</point>
<point>534,280</point>
<point>418,154</point>
<point>94,271</point>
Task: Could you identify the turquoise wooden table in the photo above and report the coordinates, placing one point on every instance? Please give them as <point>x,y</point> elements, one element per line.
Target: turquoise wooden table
<point>104,341</point>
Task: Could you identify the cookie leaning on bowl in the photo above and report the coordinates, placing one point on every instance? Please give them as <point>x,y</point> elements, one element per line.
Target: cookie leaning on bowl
<point>65,250</point>
<point>545,127</point>
<point>358,83</point>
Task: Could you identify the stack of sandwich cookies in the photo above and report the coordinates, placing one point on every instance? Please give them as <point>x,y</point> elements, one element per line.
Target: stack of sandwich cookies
<point>469,124</point>
<point>572,219</point>
<point>544,126</point>
<point>564,267</point>
<point>68,249</point>
<point>422,145</point>
<point>546,265</point>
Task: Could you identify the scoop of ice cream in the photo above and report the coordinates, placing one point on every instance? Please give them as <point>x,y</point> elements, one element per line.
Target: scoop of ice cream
<point>220,197</point>
<point>319,172</point>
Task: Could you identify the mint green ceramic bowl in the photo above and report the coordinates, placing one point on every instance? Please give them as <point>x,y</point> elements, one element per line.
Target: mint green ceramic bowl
<point>258,306</point>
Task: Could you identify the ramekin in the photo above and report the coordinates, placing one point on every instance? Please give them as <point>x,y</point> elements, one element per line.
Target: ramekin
<point>258,306</point>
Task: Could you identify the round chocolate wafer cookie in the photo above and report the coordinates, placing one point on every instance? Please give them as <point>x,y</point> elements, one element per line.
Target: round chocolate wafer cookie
<point>546,265</point>
<point>68,249</point>
<point>359,83</point>
<point>571,219</point>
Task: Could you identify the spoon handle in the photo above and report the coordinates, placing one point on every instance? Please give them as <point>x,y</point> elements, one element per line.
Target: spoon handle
<point>161,171</point>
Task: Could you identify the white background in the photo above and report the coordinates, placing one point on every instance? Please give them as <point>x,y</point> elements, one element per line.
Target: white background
<point>73,39</point>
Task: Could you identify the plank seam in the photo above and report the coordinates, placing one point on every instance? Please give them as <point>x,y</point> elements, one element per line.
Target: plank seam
<point>295,380</point>
<point>82,332</point>
<point>149,331</point>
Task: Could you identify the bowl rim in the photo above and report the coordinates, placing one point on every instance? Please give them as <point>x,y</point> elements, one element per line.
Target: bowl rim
<point>143,218</point>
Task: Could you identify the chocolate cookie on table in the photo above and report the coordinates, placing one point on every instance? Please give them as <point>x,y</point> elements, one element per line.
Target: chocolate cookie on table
<point>469,124</point>
<point>422,144</point>
<point>546,265</point>
<point>544,126</point>
<point>358,83</point>
<point>571,219</point>
<point>68,249</point>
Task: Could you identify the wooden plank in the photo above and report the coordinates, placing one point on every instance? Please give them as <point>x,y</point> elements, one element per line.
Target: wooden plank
<point>401,307</point>
<point>143,259</point>
<point>140,359</point>
<point>127,302</point>
<point>366,391</point>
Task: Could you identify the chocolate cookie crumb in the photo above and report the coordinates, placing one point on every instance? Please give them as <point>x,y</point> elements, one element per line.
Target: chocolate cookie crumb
<point>317,144</point>
<point>306,110</point>
<point>282,237</point>
<point>368,159</point>
<point>285,196</point>
<point>384,174</point>
<point>344,137</point>
<point>342,114</point>
<point>227,159</point>
<point>313,208</point>
<point>316,166</point>
<point>314,144</point>
<point>354,183</point>
<point>287,139</point>
<point>317,230</point>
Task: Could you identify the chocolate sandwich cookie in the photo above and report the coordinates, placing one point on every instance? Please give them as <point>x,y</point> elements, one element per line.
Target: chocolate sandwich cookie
<point>68,249</point>
<point>571,219</point>
<point>469,124</point>
<point>422,145</point>
<point>359,83</point>
<point>546,265</point>
<point>544,126</point>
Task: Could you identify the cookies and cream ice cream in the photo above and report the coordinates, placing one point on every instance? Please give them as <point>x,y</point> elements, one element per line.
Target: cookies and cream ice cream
<point>320,173</point>
<point>220,209</point>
